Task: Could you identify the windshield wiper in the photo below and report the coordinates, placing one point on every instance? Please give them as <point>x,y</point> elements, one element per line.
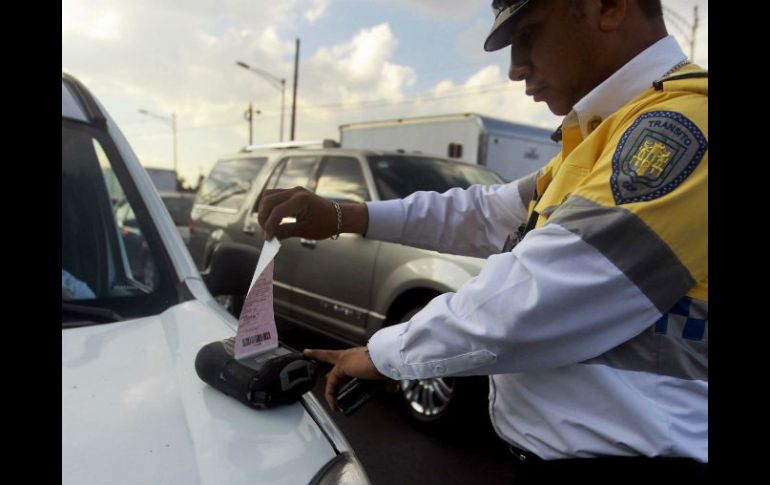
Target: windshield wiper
<point>95,315</point>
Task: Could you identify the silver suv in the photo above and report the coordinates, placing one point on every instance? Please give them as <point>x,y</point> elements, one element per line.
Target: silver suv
<point>351,287</point>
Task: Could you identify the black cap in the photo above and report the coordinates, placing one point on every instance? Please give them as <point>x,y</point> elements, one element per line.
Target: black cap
<point>500,35</point>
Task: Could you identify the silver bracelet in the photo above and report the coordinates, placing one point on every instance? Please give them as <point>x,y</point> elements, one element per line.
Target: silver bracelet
<point>368,355</point>
<point>339,220</point>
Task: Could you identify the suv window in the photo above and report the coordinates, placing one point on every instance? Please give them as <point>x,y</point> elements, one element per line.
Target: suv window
<point>342,180</point>
<point>397,177</point>
<point>229,182</point>
<point>293,171</point>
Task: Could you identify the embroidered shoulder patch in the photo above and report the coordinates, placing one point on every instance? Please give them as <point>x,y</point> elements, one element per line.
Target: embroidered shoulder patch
<point>655,154</point>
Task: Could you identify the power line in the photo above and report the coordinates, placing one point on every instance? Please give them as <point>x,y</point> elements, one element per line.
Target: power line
<point>686,28</point>
<point>457,92</point>
<point>673,13</point>
<point>194,128</point>
<point>379,103</point>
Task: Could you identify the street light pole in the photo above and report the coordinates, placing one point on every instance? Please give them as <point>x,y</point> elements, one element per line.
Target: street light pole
<point>277,82</point>
<point>173,128</point>
<point>294,102</point>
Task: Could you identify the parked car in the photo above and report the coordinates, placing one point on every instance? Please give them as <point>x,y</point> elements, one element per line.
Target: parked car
<point>133,408</point>
<point>351,287</point>
<point>179,205</point>
<point>164,179</point>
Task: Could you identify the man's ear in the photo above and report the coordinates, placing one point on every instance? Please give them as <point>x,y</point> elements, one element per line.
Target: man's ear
<point>611,14</point>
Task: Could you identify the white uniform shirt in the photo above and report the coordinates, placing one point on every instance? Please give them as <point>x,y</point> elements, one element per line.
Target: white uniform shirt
<point>534,314</point>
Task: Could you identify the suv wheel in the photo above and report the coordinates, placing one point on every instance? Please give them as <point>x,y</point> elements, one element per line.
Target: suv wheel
<point>428,399</point>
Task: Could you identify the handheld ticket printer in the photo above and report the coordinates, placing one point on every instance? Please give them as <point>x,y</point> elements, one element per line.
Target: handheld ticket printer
<point>276,377</point>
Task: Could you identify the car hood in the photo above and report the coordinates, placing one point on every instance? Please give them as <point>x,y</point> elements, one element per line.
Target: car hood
<point>135,411</point>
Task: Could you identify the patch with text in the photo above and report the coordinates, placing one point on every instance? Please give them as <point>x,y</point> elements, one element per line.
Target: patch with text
<point>655,155</point>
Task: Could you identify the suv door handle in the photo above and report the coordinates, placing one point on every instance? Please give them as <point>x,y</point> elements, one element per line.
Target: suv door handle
<point>308,243</point>
<point>250,227</point>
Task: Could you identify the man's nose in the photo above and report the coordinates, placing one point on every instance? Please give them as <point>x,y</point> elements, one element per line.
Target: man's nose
<point>519,68</point>
<point>517,72</point>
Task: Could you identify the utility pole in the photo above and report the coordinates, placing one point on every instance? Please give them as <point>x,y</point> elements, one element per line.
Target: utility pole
<point>173,127</point>
<point>249,115</point>
<point>173,130</point>
<point>686,28</point>
<point>294,101</point>
<point>694,29</point>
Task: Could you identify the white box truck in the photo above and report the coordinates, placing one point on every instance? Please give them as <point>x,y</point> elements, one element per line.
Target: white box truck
<point>512,150</point>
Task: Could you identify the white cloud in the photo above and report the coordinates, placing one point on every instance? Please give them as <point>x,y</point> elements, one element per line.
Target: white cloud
<point>453,8</point>
<point>489,92</point>
<point>361,68</point>
<point>102,23</point>
<point>337,79</point>
<point>317,9</point>
<point>178,56</point>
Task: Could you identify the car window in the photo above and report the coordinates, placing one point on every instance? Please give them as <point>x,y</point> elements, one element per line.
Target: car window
<point>288,173</point>
<point>397,177</point>
<point>341,180</point>
<point>229,182</point>
<point>294,171</point>
<point>105,253</point>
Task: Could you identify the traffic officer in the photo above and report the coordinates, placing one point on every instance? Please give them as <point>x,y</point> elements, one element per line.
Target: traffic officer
<point>591,313</point>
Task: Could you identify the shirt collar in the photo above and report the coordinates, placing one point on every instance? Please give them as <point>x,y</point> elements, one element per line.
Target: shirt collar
<point>626,83</point>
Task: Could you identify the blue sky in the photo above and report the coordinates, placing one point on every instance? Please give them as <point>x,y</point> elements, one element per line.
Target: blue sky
<point>360,60</point>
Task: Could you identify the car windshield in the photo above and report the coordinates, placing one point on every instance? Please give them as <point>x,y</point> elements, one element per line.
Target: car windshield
<point>111,251</point>
<point>229,182</point>
<point>397,177</point>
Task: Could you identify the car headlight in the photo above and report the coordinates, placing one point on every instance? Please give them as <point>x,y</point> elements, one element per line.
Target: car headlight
<point>343,469</point>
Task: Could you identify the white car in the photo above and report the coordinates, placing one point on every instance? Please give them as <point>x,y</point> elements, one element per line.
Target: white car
<point>133,408</point>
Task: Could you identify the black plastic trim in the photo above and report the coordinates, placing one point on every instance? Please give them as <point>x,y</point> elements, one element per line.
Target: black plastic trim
<point>86,99</point>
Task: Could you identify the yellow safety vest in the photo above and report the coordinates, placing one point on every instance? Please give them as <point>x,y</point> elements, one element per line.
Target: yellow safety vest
<point>646,165</point>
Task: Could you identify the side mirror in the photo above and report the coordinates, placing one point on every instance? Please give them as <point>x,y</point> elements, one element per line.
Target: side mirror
<point>231,269</point>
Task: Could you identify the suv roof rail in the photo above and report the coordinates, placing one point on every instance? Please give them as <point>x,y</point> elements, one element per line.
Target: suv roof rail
<point>325,143</point>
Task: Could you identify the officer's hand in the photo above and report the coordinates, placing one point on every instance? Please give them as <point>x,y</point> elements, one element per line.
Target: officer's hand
<point>347,363</point>
<point>316,217</point>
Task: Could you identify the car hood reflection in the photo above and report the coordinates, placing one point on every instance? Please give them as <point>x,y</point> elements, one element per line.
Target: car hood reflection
<point>134,382</point>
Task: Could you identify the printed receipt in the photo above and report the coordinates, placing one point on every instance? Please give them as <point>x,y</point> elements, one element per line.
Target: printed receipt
<point>256,326</point>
